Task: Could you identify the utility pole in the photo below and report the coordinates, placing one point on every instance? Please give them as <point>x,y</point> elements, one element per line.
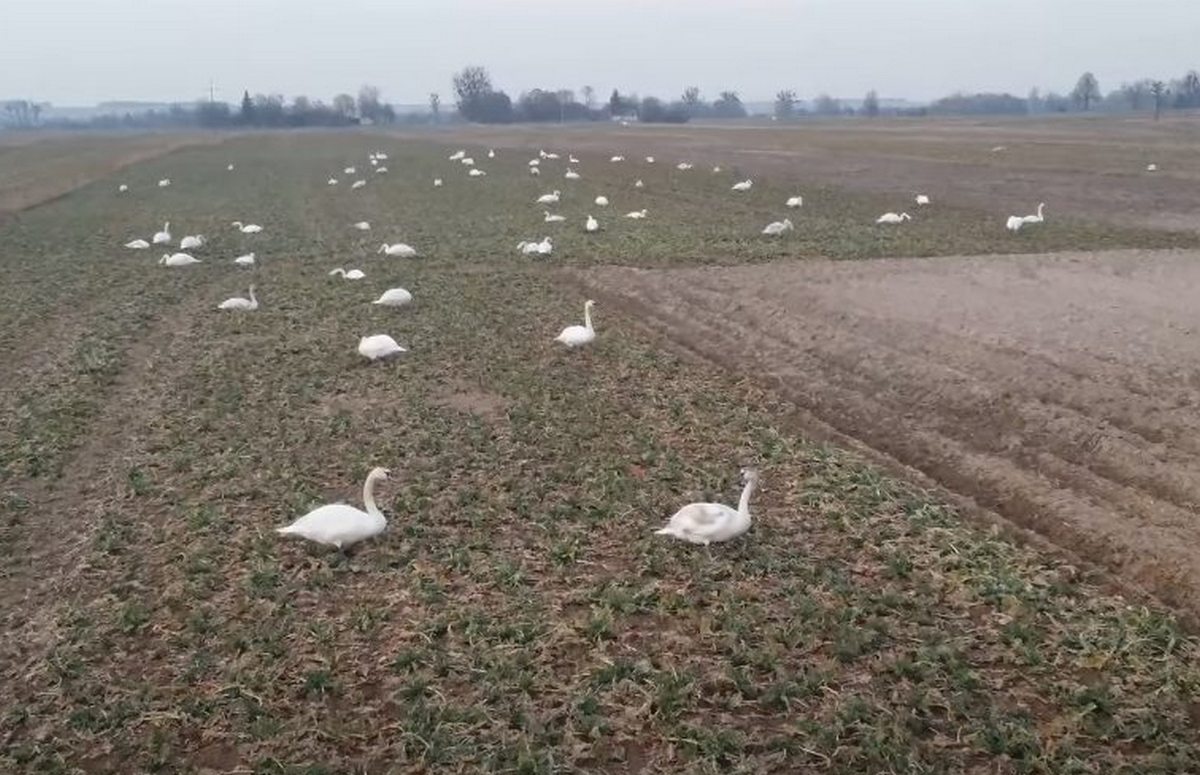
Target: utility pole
<point>212,91</point>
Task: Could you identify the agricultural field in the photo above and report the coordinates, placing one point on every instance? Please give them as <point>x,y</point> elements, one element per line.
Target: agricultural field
<point>519,614</point>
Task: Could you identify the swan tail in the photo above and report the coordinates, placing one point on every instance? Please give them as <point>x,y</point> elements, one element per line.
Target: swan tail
<point>287,530</point>
<point>665,531</point>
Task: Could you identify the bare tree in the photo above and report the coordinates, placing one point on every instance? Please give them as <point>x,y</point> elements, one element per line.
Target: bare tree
<point>871,104</point>
<point>343,105</point>
<point>435,106</point>
<point>785,104</point>
<point>825,105</point>
<point>589,97</point>
<point>1158,90</point>
<point>1086,91</point>
<point>369,105</point>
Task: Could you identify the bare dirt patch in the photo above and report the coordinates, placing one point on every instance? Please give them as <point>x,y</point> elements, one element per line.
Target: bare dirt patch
<point>1061,392</point>
<point>471,399</point>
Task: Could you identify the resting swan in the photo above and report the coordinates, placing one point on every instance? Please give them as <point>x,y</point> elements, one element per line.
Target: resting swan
<point>398,249</point>
<point>353,274</point>
<point>577,336</point>
<point>340,525</point>
<point>237,302</point>
<point>379,346</point>
<point>394,297</point>
<point>247,228</point>
<point>706,523</point>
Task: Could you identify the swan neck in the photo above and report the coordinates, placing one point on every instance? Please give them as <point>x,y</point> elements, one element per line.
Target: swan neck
<point>369,498</point>
<point>587,317</point>
<point>744,503</point>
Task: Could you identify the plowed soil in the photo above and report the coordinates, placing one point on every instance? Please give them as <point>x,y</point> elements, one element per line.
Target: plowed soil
<point>1059,391</point>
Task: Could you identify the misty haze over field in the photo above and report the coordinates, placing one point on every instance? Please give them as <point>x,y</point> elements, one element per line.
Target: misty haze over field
<point>78,52</point>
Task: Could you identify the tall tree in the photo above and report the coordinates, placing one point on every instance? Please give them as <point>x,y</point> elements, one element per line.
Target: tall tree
<point>785,104</point>
<point>1158,90</point>
<point>247,114</point>
<point>616,105</point>
<point>343,105</point>
<point>1086,91</point>
<point>589,97</point>
<point>369,105</point>
<point>435,106</point>
<point>729,105</point>
<point>871,104</point>
<point>825,105</point>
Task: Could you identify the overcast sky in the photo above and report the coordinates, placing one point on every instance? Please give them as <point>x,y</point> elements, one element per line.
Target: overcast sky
<point>77,52</point>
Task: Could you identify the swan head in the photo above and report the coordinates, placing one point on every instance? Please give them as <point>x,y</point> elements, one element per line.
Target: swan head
<point>589,304</point>
<point>379,473</point>
<point>749,475</point>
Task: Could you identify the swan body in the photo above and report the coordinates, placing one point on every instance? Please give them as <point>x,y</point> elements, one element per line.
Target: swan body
<point>379,346</point>
<point>636,214</point>
<point>353,274</point>
<point>639,184</point>
<point>543,248</point>
<point>716,169</point>
<point>467,162</point>
<point>178,259</point>
<point>122,188</point>
<point>776,228</point>
<point>162,237</point>
<point>246,260</point>
<point>709,523</point>
<point>164,182</point>
<point>358,184</point>
<point>552,218</point>
<point>380,170</point>
<point>437,182</point>
<point>578,336</point>
<point>457,156</point>
<point>683,166</point>
<point>340,525</point>
<point>137,244</point>
<point>237,302</point>
<point>1038,217</point>
<point>229,168</point>
<point>191,242</point>
<point>649,159</point>
<point>331,182</point>
<point>476,173</point>
<point>795,202</point>
<point>350,170</point>
<point>602,201</point>
<point>922,199</point>
<point>1151,168</point>
<point>1014,223</point>
<point>534,162</point>
<point>247,228</point>
<point>549,199</point>
<point>398,249</point>
<point>491,153</point>
<point>534,171</point>
<point>571,174</point>
<point>591,224</point>
<point>363,226</point>
<point>381,156</point>
<point>552,156</point>
<point>617,159</point>
<point>394,297</point>
<point>745,185</point>
<point>572,160</point>
<point>893,218</point>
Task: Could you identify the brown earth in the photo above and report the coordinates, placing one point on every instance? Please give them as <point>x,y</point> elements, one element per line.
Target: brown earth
<point>1058,391</point>
<point>1089,168</point>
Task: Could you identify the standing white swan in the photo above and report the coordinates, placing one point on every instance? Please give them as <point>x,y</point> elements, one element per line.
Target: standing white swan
<point>237,302</point>
<point>591,225</point>
<point>578,336</point>
<point>379,346</point>
<point>247,228</point>
<point>394,297</point>
<point>162,237</point>
<point>353,274</point>
<point>707,523</point>
<point>340,525</point>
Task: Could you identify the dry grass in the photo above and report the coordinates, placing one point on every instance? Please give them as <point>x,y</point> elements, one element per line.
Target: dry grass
<point>518,616</point>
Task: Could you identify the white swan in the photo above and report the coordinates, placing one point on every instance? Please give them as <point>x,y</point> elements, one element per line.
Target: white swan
<point>591,224</point>
<point>379,346</point>
<point>331,182</point>
<point>649,159</point>
<point>491,153</point>
<point>552,156</point>
<point>707,523</point>
<point>683,165</point>
<point>237,302</point>
<point>137,244</point>
<point>922,199</point>
<point>716,169</point>
<point>549,199</point>
<point>358,184</point>
<point>795,201</point>
<point>1151,168</point>
<point>543,248</point>
<point>534,171</point>
<point>380,170</point>
<point>467,162</point>
<point>394,297</point>
<point>745,185</point>
<point>636,214</point>
<point>571,174</point>
<point>776,228</point>
<point>534,162</point>
<point>1038,217</point>
<point>476,173</point>
<point>162,237</point>
<point>191,242</point>
<point>437,182</point>
<point>617,159</point>
<point>247,228</point>
<point>246,260</point>
<point>578,336</point>
<point>457,156</point>
<point>350,170</point>
<point>398,249</point>
<point>572,160</point>
<point>229,168</point>
<point>602,201</point>
<point>122,188</point>
<point>164,182</point>
<point>552,218</point>
<point>1014,223</point>
<point>353,274</point>
<point>363,226</point>
<point>340,525</point>
<point>178,259</point>
<point>639,184</point>
<point>893,218</point>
